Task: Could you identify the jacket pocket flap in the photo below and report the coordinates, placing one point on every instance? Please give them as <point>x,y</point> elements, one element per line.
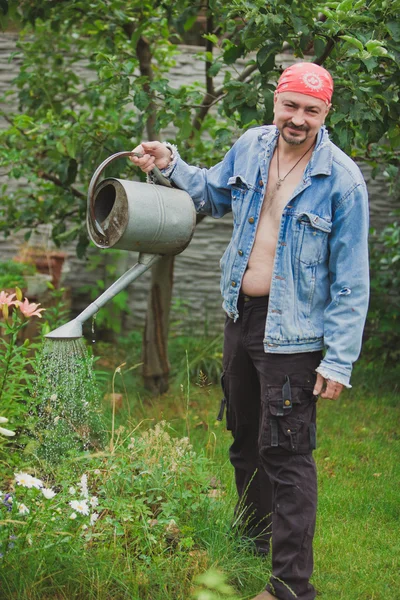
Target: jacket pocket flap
<point>238,181</point>
<point>315,221</point>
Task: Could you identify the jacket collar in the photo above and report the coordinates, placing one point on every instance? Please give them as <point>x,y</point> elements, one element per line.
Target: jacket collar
<point>321,158</point>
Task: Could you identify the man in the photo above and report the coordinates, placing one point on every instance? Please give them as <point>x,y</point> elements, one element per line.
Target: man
<point>295,289</point>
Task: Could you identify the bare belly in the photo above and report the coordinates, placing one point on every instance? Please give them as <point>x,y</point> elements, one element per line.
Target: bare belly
<point>257,278</point>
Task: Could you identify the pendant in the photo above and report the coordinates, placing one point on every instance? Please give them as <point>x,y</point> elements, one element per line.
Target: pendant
<point>279,183</point>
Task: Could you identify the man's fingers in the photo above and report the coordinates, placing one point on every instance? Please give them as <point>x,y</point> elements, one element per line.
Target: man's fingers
<point>326,388</point>
<point>150,154</point>
<point>333,390</point>
<point>144,162</point>
<point>319,384</point>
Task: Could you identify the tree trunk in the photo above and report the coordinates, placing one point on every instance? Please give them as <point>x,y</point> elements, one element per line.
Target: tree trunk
<point>155,352</point>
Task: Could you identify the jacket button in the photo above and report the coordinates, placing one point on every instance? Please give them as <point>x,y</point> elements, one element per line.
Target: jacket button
<point>287,402</point>
<point>251,220</point>
<point>240,252</point>
<point>261,183</point>
<point>233,283</point>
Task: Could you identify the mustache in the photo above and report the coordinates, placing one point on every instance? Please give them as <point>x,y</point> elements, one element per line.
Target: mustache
<point>296,127</point>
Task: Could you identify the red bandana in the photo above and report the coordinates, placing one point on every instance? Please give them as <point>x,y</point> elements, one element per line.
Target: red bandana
<point>307,78</point>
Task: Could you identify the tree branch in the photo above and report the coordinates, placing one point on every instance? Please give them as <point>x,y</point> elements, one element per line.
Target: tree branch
<point>59,183</point>
<point>328,49</point>
<point>210,99</point>
<point>144,55</point>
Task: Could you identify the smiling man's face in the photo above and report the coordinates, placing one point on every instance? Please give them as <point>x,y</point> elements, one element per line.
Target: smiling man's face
<point>298,116</point>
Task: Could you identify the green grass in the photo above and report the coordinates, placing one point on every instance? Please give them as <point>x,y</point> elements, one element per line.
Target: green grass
<point>357,543</point>
<point>357,546</point>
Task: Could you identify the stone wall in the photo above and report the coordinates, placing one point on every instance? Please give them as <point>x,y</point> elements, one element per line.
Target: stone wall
<point>196,296</point>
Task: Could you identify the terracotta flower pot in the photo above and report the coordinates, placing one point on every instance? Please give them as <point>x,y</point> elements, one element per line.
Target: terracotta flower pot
<point>48,262</point>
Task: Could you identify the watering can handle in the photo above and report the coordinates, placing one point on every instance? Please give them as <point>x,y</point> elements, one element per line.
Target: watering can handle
<point>93,183</point>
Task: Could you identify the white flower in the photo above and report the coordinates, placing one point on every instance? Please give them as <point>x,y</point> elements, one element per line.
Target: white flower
<point>83,486</point>
<point>80,506</point>
<point>48,493</point>
<point>22,509</point>
<point>26,480</point>
<point>93,518</point>
<point>4,431</point>
<point>53,397</point>
<point>97,472</point>
<point>72,490</point>
<point>72,516</point>
<point>94,501</point>
<point>37,483</point>
<point>84,527</point>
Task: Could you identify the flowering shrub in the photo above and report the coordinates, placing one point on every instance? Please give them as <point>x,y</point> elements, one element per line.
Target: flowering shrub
<point>31,511</point>
<point>16,364</point>
<point>145,491</point>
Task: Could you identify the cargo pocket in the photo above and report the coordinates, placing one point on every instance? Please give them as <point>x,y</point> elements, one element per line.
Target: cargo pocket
<point>289,414</point>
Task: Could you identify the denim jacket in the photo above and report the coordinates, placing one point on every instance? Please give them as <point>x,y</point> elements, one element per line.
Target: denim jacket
<point>319,289</point>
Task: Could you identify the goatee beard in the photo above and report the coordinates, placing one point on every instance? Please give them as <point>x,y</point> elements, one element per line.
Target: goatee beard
<point>294,141</point>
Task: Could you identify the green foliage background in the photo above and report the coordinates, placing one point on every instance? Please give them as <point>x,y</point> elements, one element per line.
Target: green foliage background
<point>65,123</point>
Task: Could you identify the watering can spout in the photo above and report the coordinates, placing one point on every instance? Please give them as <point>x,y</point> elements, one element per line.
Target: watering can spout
<point>73,329</point>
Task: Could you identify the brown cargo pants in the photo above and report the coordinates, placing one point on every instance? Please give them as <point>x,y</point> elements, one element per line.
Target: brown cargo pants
<point>271,412</point>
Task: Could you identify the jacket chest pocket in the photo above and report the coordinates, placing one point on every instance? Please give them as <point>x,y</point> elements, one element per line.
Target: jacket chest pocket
<point>312,233</point>
<point>239,189</point>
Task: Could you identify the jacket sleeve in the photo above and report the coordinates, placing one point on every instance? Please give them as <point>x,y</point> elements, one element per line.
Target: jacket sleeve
<point>208,188</point>
<point>345,315</point>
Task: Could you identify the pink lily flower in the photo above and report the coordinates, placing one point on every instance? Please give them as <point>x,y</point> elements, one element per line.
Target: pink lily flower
<point>7,299</point>
<point>30,309</point>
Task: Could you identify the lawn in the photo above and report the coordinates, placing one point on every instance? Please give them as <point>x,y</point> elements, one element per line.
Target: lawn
<point>164,502</point>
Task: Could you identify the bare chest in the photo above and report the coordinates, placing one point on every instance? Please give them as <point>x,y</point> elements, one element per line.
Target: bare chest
<point>278,193</point>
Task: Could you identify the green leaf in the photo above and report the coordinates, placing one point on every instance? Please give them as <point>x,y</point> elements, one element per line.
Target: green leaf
<point>266,54</point>
<point>190,22</point>
<point>393,28</point>
<point>60,147</point>
<point>353,41</point>
<point>233,53</point>
<point>345,6</point>
<point>70,144</point>
<point>141,100</point>
<point>319,46</point>
<point>248,114</point>
<point>372,45</point>
<point>211,37</point>
<point>215,69</point>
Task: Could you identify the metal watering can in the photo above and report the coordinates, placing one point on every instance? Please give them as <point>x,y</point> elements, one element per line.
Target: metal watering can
<point>153,220</point>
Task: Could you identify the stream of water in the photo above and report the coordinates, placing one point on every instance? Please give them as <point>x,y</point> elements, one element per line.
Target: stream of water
<point>67,401</point>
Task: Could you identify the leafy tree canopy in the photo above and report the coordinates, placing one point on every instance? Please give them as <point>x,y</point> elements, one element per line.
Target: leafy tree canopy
<point>94,79</point>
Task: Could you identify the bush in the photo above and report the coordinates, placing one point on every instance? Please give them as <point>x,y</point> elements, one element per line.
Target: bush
<point>383,324</point>
<point>12,274</point>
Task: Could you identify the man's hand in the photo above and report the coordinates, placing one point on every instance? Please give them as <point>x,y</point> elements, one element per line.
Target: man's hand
<point>326,388</point>
<point>154,153</point>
